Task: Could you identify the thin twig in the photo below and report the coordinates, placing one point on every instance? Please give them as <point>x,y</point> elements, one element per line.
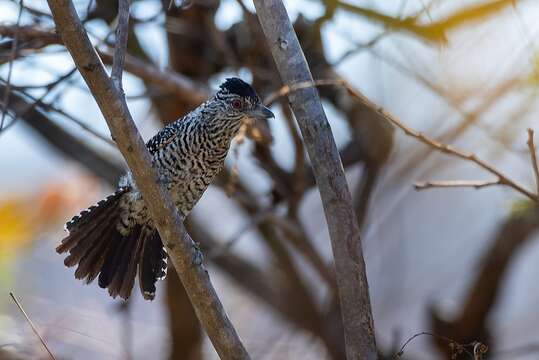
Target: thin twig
<point>457,346</point>
<point>287,89</point>
<point>533,155</point>
<point>121,44</point>
<point>79,123</point>
<point>165,80</point>
<point>361,47</point>
<point>477,184</point>
<point>446,149</point>
<point>14,46</point>
<point>37,101</point>
<point>34,328</point>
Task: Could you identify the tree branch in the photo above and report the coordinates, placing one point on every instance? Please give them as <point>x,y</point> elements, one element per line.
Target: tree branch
<point>185,257</point>
<point>61,140</point>
<point>446,149</point>
<point>477,184</point>
<point>165,80</point>
<point>120,49</point>
<point>329,174</point>
<point>533,155</point>
<point>13,54</point>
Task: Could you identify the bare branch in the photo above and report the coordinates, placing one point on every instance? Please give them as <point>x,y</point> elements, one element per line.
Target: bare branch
<point>533,155</point>
<point>446,149</point>
<point>166,80</point>
<point>477,184</point>
<point>121,44</point>
<point>30,33</point>
<point>456,348</point>
<point>329,174</point>
<point>31,323</point>
<point>185,257</point>
<point>288,88</point>
<point>12,56</point>
<point>62,141</point>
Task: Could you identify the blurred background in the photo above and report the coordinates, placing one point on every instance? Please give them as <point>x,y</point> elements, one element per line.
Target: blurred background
<point>457,263</point>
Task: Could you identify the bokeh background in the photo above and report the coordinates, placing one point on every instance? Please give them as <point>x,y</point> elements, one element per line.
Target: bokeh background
<point>456,263</point>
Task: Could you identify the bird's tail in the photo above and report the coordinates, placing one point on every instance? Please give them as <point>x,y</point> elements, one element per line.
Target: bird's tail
<point>97,246</point>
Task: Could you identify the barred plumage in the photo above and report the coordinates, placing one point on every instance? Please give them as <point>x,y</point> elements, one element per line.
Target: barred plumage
<point>115,238</point>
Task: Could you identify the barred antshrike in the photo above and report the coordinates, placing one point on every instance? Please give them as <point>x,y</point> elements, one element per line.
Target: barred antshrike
<point>116,238</point>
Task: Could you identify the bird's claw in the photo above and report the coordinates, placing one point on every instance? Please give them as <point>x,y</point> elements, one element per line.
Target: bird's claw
<point>164,179</point>
<point>198,256</point>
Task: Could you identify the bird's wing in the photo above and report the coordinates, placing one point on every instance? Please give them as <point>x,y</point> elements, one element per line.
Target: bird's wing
<point>161,139</point>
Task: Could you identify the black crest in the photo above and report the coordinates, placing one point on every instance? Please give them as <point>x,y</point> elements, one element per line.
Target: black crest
<point>239,87</point>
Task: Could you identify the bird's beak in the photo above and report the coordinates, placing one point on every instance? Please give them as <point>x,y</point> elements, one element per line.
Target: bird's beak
<point>260,112</point>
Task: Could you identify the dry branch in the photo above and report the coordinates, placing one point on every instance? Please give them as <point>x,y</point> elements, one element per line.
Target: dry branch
<point>31,323</point>
<point>30,33</point>
<point>533,155</point>
<point>454,346</point>
<point>181,249</point>
<point>13,54</point>
<point>329,174</point>
<point>121,44</point>
<point>477,184</point>
<point>61,140</point>
<point>502,179</point>
<point>165,80</point>
<point>446,149</point>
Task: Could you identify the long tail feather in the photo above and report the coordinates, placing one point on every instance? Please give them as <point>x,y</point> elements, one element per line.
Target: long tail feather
<point>81,225</point>
<point>101,251</point>
<point>112,262</point>
<point>123,280</point>
<point>90,265</point>
<point>153,266</point>
<point>119,273</point>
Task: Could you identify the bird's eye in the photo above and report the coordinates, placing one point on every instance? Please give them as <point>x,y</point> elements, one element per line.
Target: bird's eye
<point>237,104</point>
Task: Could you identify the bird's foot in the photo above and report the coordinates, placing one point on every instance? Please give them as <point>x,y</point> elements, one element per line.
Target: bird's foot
<point>164,179</point>
<point>198,257</point>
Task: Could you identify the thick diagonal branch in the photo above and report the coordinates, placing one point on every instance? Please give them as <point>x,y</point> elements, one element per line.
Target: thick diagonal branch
<point>180,246</point>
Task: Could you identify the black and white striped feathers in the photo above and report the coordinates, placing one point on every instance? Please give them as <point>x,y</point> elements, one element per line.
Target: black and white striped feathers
<point>115,239</point>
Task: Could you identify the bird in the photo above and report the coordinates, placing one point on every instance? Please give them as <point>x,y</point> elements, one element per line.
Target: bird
<point>115,240</point>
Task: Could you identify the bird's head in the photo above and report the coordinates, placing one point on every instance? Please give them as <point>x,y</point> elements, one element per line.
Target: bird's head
<point>240,100</point>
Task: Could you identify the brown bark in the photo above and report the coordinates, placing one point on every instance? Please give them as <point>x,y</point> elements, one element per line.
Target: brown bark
<point>328,170</point>
<point>181,248</point>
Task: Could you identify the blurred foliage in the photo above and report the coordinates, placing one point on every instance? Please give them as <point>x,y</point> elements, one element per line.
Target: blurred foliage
<point>24,217</point>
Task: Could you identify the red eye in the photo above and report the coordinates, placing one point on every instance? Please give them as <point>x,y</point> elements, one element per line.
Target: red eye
<point>237,104</point>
